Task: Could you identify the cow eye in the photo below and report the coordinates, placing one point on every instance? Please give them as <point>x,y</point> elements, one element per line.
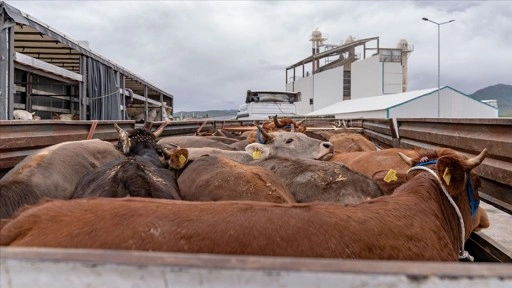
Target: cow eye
<point>289,140</point>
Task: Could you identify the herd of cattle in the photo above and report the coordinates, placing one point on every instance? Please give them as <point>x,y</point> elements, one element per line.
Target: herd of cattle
<point>280,190</point>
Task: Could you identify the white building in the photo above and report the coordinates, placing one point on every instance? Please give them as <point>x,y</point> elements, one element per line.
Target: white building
<point>353,70</point>
<point>426,103</point>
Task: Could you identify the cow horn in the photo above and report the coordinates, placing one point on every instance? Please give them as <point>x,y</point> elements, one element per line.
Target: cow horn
<point>292,128</point>
<point>160,129</point>
<point>406,158</point>
<point>122,133</point>
<point>277,122</point>
<point>473,162</point>
<point>300,122</point>
<point>263,132</point>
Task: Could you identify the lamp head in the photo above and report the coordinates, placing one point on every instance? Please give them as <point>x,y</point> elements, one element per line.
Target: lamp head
<point>425,19</point>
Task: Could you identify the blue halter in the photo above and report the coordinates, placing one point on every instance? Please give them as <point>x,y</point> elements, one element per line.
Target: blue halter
<point>473,204</point>
<point>258,135</point>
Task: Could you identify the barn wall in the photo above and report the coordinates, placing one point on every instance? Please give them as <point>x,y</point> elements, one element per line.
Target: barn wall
<point>453,105</point>
<point>421,107</point>
<point>457,105</point>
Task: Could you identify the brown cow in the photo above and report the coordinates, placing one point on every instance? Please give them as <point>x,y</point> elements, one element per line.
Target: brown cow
<point>276,125</point>
<point>371,162</point>
<point>427,219</point>
<point>214,178</point>
<point>351,142</point>
<point>311,180</point>
<point>52,172</point>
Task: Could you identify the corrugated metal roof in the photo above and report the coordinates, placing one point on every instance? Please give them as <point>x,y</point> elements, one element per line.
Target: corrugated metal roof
<point>374,103</point>
<point>35,39</point>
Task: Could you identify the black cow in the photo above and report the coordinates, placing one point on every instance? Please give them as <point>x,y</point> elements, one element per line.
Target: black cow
<point>143,173</point>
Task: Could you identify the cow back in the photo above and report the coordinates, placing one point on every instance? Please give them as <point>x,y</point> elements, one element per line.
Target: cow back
<point>313,180</point>
<point>52,172</point>
<point>131,176</point>
<point>216,178</point>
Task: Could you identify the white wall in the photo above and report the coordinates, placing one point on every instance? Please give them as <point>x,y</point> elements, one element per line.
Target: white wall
<point>370,77</point>
<point>304,86</point>
<point>392,77</point>
<point>328,87</point>
<point>456,105</point>
<point>422,107</point>
<point>366,78</point>
<point>453,105</point>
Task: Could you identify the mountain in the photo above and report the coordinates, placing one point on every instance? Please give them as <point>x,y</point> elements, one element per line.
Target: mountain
<point>500,92</point>
<point>205,114</point>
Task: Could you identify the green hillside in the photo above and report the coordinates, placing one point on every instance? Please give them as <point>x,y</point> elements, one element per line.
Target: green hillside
<point>502,93</point>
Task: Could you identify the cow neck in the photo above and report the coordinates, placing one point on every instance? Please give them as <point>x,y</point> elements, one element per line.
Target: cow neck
<point>463,254</point>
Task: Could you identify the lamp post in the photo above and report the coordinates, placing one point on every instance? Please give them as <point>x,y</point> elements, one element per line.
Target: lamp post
<point>438,61</point>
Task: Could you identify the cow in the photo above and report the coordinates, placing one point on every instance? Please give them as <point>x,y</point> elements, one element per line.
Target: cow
<point>25,115</point>
<point>276,125</point>
<point>56,116</point>
<point>311,180</point>
<point>142,174</point>
<point>283,144</point>
<point>371,162</point>
<point>216,178</point>
<point>52,172</point>
<point>351,142</point>
<point>427,219</point>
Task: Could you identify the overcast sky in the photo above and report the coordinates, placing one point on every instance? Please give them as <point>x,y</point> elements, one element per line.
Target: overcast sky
<point>209,53</point>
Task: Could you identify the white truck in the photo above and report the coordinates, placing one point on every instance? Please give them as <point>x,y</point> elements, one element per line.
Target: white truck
<point>259,105</point>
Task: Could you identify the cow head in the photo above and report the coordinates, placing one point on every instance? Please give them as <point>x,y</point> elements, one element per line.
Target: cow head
<point>456,175</point>
<point>133,140</point>
<point>275,125</point>
<point>290,145</point>
<point>172,156</point>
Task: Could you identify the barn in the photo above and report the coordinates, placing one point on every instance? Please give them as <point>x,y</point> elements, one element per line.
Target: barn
<point>426,103</point>
<point>46,72</point>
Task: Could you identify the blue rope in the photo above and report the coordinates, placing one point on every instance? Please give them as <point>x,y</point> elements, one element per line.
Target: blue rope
<point>426,163</point>
<point>258,135</point>
<point>473,203</point>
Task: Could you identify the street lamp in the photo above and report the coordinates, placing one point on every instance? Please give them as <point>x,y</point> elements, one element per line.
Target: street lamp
<point>438,60</point>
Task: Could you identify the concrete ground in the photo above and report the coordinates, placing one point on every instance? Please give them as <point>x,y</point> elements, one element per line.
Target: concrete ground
<point>500,228</point>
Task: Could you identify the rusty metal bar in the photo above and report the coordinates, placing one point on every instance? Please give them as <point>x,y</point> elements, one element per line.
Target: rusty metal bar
<point>21,138</point>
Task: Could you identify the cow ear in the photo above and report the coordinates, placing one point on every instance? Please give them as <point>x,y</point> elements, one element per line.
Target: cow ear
<point>452,175</point>
<point>257,151</point>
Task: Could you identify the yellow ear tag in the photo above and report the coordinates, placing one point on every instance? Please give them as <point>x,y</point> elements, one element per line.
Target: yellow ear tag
<point>391,176</point>
<point>256,154</point>
<point>182,159</point>
<point>447,176</point>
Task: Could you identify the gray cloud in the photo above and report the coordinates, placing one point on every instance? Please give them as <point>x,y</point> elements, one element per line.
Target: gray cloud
<point>208,53</point>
